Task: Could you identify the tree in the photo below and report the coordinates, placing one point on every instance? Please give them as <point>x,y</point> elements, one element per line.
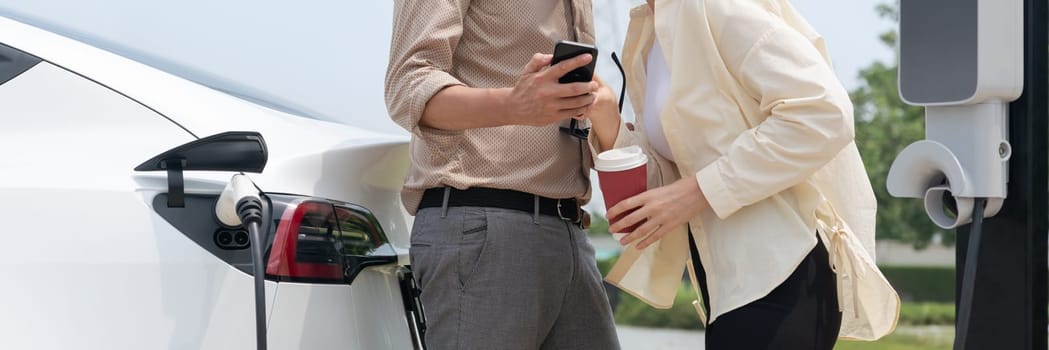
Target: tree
<point>884,126</point>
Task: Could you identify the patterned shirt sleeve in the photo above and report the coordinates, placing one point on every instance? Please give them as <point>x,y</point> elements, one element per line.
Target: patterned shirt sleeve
<point>425,35</point>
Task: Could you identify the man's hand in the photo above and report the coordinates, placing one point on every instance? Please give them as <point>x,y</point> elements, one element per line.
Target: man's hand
<point>662,210</point>
<point>538,99</point>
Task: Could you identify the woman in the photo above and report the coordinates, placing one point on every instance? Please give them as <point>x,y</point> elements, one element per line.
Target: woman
<point>749,136</point>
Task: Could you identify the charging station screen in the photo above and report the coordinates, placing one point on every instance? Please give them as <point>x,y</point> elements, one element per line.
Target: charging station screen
<point>938,50</point>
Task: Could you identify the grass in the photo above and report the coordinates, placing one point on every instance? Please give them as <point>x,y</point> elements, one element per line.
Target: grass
<point>920,314</point>
<point>907,338</point>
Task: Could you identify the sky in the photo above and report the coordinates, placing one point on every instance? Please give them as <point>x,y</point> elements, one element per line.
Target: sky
<point>851,29</point>
<point>327,58</point>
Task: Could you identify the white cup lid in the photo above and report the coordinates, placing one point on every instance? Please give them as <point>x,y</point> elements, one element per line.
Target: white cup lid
<point>620,159</point>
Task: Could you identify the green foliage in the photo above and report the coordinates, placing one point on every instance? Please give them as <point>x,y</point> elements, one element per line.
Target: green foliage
<point>927,314</point>
<point>634,312</point>
<point>884,126</point>
<point>598,224</point>
<point>915,283</point>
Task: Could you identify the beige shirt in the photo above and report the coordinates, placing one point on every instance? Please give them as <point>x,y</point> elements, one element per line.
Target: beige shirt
<point>756,115</point>
<point>482,44</point>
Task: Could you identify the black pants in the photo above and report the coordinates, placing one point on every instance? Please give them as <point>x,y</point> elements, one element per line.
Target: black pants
<point>800,314</point>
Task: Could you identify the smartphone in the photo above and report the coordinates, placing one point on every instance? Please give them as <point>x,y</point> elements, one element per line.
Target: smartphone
<point>565,50</point>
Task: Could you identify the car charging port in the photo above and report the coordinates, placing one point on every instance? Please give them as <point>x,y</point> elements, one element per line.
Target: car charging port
<point>232,238</point>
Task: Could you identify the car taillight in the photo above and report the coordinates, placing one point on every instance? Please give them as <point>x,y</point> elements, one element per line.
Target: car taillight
<point>305,247</point>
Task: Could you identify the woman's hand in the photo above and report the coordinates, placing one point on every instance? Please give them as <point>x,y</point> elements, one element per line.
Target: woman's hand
<point>659,211</point>
<point>604,116</point>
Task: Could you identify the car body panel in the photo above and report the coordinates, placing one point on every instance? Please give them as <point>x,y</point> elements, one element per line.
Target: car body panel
<point>315,149</point>
<point>310,316</point>
<point>97,268</point>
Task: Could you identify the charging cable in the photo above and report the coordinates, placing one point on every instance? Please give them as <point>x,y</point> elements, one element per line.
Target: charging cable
<point>965,305</point>
<point>240,204</point>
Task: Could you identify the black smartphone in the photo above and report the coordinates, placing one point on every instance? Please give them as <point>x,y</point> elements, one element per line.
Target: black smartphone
<point>565,50</point>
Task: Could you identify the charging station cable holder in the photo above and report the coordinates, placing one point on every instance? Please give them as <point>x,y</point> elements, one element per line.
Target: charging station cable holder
<point>965,156</point>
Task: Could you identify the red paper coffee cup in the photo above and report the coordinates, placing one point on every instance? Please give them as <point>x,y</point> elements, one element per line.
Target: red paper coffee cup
<point>623,173</point>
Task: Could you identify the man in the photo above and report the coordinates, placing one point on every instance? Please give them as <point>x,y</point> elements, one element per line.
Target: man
<point>495,186</point>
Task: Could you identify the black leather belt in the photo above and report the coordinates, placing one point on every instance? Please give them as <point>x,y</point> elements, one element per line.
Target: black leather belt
<point>566,209</point>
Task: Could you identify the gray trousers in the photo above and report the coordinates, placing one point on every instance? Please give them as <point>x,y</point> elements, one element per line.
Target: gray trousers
<point>498,279</point>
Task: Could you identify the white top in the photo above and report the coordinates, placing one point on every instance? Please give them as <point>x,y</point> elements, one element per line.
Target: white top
<point>657,87</point>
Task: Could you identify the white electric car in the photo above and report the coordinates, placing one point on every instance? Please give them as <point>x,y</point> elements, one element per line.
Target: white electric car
<point>97,255</point>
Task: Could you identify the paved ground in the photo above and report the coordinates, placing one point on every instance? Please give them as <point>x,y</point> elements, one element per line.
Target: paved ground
<point>636,338</point>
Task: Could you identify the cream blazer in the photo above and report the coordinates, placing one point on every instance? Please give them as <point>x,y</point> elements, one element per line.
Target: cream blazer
<point>756,115</point>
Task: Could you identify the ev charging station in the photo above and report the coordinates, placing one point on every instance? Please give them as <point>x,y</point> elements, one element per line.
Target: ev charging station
<point>979,67</point>
<point>963,61</point>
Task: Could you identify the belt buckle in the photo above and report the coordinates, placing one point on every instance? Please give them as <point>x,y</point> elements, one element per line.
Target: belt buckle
<point>562,216</point>
<point>559,211</point>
